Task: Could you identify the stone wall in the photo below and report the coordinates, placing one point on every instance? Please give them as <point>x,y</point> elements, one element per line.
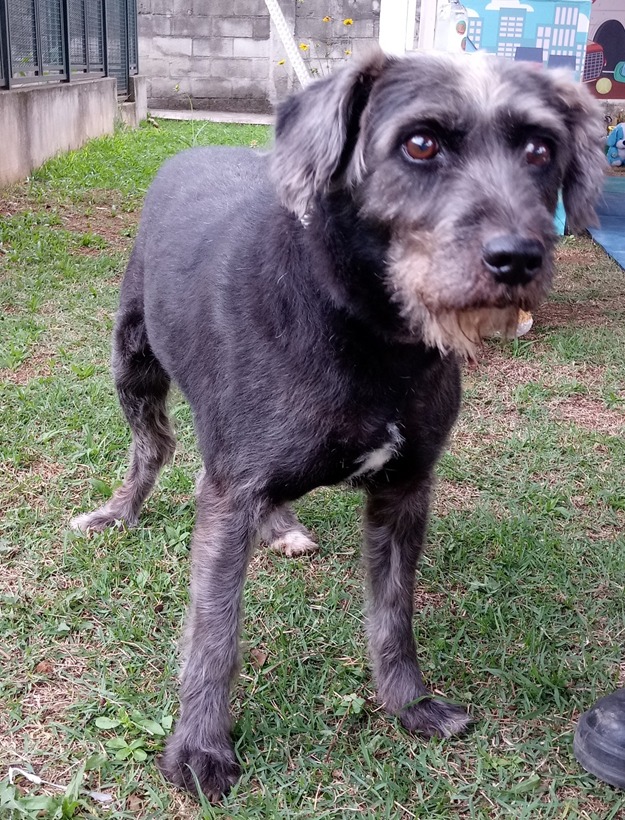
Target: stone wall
<point>226,54</point>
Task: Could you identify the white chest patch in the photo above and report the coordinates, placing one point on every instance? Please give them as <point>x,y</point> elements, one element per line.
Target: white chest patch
<point>376,459</point>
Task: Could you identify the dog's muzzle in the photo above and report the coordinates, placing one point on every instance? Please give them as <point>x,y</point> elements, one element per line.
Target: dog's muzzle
<point>513,260</point>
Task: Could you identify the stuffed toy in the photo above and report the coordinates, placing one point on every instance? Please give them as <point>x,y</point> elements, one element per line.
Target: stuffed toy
<point>616,145</point>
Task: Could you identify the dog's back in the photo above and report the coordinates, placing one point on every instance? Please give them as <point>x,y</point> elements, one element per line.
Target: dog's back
<point>196,216</point>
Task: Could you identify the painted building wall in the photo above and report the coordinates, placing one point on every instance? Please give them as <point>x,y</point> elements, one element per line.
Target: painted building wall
<point>607,36</point>
<point>551,32</point>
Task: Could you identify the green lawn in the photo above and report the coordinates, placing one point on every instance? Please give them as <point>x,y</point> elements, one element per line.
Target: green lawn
<point>521,593</point>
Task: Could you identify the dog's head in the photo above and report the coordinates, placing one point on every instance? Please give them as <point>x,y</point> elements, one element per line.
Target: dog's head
<point>460,159</point>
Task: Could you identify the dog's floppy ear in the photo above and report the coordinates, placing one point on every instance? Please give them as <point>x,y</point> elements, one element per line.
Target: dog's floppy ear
<point>317,129</point>
<point>583,177</point>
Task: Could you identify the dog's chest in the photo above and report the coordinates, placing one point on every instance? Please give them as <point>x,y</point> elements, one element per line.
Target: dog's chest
<point>373,460</point>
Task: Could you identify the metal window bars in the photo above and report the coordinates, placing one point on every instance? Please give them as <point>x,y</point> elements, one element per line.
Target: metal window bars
<point>47,41</point>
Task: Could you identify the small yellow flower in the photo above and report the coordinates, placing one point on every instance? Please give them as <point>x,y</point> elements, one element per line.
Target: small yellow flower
<point>348,21</point>
<point>347,52</point>
<point>303,46</point>
<point>326,19</point>
<point>281,62</point>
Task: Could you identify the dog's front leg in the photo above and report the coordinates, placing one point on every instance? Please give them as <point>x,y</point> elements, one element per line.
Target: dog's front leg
<point>395,525</point>
<point>201,747</point>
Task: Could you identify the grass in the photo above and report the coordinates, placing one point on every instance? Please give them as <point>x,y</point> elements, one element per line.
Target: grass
<point>520,594</point>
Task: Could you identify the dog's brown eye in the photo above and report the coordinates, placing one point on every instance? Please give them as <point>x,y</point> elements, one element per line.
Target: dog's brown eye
<point>421,147</point>
<point>537,152</point>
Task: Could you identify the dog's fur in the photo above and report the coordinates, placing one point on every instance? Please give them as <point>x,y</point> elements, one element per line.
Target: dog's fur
<point>311,303</point>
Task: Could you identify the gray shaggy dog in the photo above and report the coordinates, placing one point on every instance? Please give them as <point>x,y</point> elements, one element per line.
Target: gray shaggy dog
<point>313,304</point>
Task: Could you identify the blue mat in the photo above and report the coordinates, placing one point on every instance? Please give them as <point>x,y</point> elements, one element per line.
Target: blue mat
<point>611,211</point>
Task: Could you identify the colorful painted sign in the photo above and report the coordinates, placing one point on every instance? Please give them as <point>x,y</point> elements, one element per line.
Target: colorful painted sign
<point>605,63</point>
<point>551,32</point>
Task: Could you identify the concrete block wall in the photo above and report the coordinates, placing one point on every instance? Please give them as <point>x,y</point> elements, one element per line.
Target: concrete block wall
<point>226,54</point>
<point>333,31</point>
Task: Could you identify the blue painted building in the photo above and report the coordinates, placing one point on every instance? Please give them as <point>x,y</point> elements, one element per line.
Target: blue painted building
<point>551,32</point>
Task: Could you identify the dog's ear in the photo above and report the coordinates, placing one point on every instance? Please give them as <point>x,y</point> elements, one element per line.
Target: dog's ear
<point>317,129</point>
<point>583,177</point>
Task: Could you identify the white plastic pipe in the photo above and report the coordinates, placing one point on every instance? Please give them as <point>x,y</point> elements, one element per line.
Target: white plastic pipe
<point>397,25</point>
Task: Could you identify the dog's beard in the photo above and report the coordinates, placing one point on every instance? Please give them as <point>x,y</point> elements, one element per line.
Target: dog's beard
<point>462,331</point>
<point>427,311</point>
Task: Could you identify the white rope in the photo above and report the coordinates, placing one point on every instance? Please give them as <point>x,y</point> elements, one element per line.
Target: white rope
<point>15,772</point>
<point>288,42</point>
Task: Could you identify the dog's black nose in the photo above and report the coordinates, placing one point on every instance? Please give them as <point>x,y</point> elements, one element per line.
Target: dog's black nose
<point>512,260</point>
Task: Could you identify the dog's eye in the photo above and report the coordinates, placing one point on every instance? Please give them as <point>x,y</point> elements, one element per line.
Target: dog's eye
<point>538,152</point>
<point>421,147</point>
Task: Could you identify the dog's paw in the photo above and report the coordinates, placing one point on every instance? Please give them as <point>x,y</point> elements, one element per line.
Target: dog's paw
<point>435,718</point>
<point>293,544</point>
<point>215,773</point>
<point>97,521</point>
<point>89,522</point>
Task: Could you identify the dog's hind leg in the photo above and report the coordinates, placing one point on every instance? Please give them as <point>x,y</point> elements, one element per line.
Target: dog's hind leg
<point>281,530</point>
<point>284,533</point>
<point>394,531</point>
<point>201,748</point>
<point>142,387</point>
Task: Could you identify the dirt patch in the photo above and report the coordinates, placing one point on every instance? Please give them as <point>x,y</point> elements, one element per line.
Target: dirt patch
<point>424,599</point>
<point>37,366</point>
<point>55,689</point>
<point>450,496</point>
<point>589,414</point>
<point>29,484</point>
<point>589,807</point>
<point>115,228</point>
<point>101,213</point>
<point>15,202</point>
<point>55,692</point>
<point>573,315</point>
<point>498,369</point>
<point>584,271</point>
<point>39,469</point>
<point>579,252</point>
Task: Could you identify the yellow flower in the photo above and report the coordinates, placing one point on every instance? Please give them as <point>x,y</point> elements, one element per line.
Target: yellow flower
<point>281,62</point>
<point>347,52</point>
<point>348,21</point>
<point>326,19</point>
<point>303,46</point>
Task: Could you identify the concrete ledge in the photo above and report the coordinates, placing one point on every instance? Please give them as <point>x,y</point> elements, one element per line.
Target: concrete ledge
<point>40,122</point>
<point>213,116</point>
<point>132,112</point>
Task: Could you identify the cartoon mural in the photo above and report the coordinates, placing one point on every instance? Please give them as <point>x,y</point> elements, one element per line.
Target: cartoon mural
<point>605,63</point>
<point>550,32</point>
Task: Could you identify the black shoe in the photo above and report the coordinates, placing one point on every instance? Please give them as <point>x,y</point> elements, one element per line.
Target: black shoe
<point>599,743</point>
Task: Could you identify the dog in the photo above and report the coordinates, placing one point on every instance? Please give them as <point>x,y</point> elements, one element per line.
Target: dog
<point>314,304</point>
